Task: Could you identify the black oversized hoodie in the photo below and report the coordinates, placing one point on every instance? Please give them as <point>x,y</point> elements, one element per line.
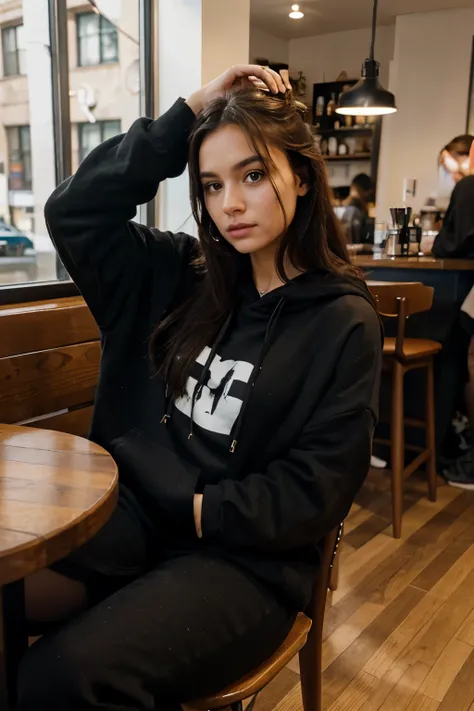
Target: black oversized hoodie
<point>281,408</point>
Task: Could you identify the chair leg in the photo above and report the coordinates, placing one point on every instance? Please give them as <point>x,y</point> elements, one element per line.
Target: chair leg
<point>310,673</point>
<point>397,448</point>
<point>430,432</point>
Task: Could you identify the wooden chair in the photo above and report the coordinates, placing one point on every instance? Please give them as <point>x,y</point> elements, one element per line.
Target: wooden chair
<point>305,638</point>
<point>49,365</point>
<point>401,354</point>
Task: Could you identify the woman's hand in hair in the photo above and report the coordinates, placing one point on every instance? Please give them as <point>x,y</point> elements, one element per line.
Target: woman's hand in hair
<point>243,74</point>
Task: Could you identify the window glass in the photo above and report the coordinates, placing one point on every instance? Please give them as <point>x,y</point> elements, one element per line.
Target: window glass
<point>19,158</point>
<point>21,49</point>
<point>13,50</point>
<point>97,40</point>
<point>105,93</point>
<point>104,100</point>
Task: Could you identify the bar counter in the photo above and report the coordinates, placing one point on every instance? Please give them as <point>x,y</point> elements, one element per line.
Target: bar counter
<point>381,261</point>
<point>452,280</point>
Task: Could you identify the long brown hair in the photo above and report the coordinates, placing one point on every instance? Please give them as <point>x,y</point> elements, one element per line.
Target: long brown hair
<point>312,242</point>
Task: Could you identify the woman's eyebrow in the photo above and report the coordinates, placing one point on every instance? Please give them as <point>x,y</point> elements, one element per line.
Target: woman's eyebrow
<point>242,164</point>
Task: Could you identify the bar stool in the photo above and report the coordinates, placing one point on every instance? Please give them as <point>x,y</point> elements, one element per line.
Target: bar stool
<point>401,354</point>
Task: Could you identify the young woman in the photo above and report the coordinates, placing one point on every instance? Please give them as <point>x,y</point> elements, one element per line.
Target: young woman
<point>244,438</point>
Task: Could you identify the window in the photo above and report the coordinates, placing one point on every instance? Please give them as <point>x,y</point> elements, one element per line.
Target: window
<point>13,48</point>
<point>93,134</point>
<point>54,112</point>
<point>19,158</point>
<point>97,41</point>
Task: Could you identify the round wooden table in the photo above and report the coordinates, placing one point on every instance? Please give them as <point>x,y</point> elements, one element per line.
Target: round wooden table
<point>56,492</point>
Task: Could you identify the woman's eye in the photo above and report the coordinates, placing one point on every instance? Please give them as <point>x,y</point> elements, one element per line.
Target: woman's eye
<point>254,176</point>
<point>212,187</point>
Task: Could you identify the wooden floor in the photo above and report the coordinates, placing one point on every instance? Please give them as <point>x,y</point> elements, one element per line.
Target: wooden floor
<point>400,628</point>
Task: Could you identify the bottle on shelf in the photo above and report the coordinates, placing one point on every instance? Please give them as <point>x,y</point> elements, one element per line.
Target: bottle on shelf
<point>331,111</point>
<point>332,105</point>
<point>332,146</point>
<point>320,106</point>
<point>324,147</point>
<point>343,148</point>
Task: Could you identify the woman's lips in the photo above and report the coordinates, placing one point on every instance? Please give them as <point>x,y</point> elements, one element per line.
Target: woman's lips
<point>240,230</point>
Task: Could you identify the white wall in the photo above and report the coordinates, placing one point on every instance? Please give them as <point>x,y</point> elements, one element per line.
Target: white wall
<point>430,78</point>
<point>323,57</point>
<point>212,36</point>
<point>264,45</point>
<point>225,36</point>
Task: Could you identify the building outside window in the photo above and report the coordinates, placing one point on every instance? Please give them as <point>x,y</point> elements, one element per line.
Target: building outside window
<point>13,50</point>
<point>97,41</point>
<point>19,158</point>
<point>104,100</point>
<point>93,134</point>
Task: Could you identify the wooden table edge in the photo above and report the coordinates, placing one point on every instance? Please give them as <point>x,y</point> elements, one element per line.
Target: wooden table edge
<point>80,527</point>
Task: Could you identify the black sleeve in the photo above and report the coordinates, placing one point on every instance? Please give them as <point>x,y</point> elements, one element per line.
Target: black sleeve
<point>456,237</point>
<point>300,498</point>
<point>89,215</point>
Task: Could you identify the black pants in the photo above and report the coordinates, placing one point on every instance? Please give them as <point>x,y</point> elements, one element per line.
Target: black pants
<point>191,624</point>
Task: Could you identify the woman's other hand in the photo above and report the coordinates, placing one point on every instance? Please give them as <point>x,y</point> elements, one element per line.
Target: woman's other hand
<point>243,74</point>
<point>197,507</point>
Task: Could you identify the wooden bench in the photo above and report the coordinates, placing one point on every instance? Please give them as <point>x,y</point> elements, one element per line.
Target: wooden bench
<point>49,364</point>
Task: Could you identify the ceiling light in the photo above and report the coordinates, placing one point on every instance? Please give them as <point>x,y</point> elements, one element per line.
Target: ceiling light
<point>296,13</point>
<point>368,97</point>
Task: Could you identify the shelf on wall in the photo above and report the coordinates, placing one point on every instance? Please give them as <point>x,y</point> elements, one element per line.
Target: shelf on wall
<point>354,156</point>
<point>367,130</point>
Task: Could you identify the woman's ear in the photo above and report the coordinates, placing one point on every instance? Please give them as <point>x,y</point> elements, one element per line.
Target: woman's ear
<point>471,158</point>
<point>302,184</point>
<point>302,187</point>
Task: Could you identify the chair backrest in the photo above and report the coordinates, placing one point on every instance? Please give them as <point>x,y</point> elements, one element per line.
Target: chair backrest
<point>400,300</point>
<point>311,654</point>
<point>49,364</point>
<point>390,295</point>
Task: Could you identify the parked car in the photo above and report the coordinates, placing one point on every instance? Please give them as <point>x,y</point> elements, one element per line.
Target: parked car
<point>14,243</point>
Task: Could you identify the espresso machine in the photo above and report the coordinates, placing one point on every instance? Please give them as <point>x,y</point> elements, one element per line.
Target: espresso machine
<point>398,238</point>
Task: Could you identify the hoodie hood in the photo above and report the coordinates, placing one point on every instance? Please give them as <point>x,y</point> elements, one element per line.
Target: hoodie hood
<point>314,287</point>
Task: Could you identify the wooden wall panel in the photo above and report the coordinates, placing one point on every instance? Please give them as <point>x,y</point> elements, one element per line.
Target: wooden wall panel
<point>44,325</point>
<point>43,382</point>
<point>76,422</point>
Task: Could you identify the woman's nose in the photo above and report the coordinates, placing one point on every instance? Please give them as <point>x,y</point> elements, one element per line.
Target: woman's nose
<point>233,201</point>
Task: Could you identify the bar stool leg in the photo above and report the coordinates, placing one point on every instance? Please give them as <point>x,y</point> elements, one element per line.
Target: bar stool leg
<point>398,447</point>
<point>430,432</point>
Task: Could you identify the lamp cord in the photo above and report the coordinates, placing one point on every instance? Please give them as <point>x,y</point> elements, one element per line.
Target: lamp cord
<point>374,28</point>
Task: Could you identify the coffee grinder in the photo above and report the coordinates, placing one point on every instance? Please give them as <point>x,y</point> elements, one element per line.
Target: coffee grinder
<point>398,240</point>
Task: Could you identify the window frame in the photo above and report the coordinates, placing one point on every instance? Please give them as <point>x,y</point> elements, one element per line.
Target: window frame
<point>15,52</point>
<point>100,33</point>
<point>60,288</point>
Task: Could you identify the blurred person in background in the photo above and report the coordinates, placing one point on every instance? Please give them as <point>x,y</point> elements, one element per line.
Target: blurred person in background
<point>354,212</point>
<point>456,239</point>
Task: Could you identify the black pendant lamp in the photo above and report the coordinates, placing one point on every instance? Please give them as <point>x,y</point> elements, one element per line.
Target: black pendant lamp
<point>368,97</point>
